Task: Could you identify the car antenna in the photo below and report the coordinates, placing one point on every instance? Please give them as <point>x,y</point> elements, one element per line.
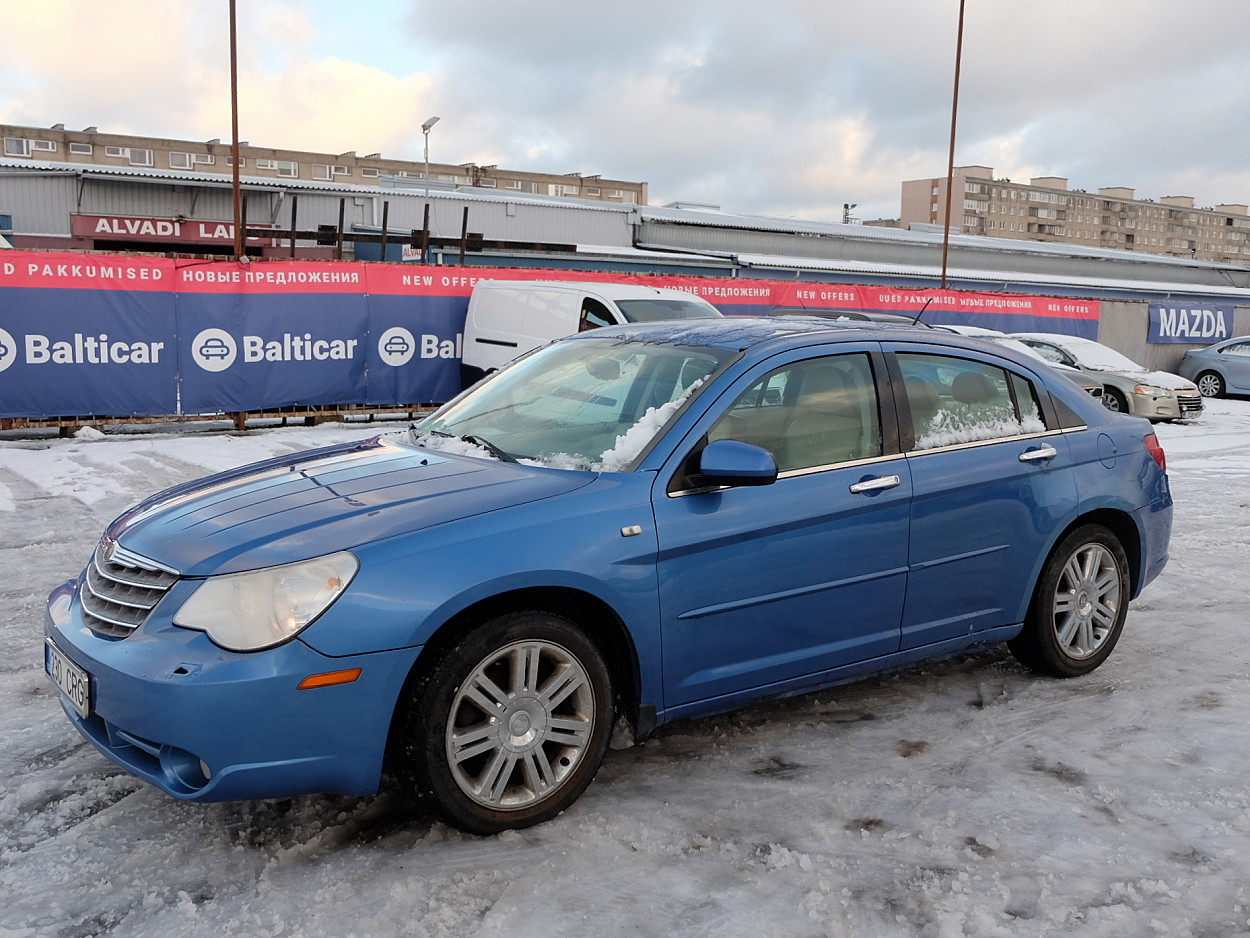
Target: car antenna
<point>922,309</point>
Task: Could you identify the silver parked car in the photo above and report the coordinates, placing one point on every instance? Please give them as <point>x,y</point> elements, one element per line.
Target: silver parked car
<point>1219,369</point>
<point>1129,388</point>
<point>1091,386</point>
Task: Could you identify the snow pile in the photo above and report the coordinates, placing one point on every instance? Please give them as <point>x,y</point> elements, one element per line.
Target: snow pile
<point>965,798</point>
<point>948,428</point>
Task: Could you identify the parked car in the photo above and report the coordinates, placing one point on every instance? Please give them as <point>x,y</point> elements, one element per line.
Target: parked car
<point>1219,369</point>
<point>1091,386</point>
<point>628,527</point>
<point>1128,387</point>
<point>507,318</point>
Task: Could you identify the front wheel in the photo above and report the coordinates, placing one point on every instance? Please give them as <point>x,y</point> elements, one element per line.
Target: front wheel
<point>1210,384</point>
<point>1114,400</point>
<point>1078,607</point>
<point>509,728</point>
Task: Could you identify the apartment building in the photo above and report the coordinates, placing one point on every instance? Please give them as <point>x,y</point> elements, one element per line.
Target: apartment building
<point>1045,209</point>
<point>90,146</point>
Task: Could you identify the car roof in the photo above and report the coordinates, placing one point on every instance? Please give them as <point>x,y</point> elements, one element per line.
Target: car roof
<point>1060,339</point>
<point>613,291</point>
<point>738,333</point>
<point>848,315</point>
<point>973,330</point>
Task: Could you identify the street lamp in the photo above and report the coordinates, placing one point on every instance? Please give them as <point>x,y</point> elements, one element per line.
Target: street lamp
<point>425,129</point>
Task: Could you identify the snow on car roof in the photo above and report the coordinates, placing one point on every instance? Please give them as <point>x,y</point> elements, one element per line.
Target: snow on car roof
<point>1089,353</point>
<point>741,332</point>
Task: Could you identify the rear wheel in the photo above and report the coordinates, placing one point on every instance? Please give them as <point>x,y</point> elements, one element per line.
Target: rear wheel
<point>1114,400</point>
<point>1078,607</point>
<point>511,725</point>
<point>1210,384</point>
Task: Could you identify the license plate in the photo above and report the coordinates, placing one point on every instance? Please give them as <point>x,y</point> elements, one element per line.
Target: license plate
<point>71,680</point>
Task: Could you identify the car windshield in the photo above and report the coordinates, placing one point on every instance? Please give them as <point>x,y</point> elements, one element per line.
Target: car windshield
<point>656,309</point>
<point>1098,357</point>
<point>589,404</point>
<point>1014,344</point>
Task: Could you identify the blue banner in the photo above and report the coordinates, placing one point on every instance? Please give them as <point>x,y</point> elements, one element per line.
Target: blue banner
<point>1205,324</point>
<point>240,352</point>
<point>414,348</point>
<point>83,352</point>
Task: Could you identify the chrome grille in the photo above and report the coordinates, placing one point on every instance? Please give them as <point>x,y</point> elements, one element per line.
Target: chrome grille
<point>1189,404</point>
<point>121,588</point>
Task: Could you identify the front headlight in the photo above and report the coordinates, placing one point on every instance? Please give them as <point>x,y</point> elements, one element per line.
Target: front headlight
<point>262,608</point>
<point>1151,391</point>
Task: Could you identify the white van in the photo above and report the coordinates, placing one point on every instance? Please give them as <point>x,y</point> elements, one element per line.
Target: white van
<point>510,317</point>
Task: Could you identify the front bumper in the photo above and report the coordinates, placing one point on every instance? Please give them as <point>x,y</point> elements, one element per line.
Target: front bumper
<point>205,724</point>
<point>1178,407</point>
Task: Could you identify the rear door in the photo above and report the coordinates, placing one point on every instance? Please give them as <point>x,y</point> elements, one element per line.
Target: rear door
<point>990,484</point>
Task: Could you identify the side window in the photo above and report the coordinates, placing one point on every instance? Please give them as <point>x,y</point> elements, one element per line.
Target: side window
<point>956,400</point>
<point>594,315</point>
<point>812,413</point>
<point>1237,348</point>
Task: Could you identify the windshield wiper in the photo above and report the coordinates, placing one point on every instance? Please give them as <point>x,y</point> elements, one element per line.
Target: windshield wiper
<point>467,437</point>
<point>489,447</point>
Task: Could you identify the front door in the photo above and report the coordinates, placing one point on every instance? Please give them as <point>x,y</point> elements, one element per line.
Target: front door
<point>769,586</point>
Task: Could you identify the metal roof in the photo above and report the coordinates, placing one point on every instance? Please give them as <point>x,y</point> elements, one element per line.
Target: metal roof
<point>708,218</point>
<point>995,279</point>
<point>131,173</point>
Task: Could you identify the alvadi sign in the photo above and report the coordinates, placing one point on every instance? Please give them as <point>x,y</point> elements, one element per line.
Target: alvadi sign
<point>1189,325</point>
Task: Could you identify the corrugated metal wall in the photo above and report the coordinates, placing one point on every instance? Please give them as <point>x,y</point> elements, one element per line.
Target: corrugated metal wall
<point>503,220</point>
<point>1009,257</point>
<point>39,205</point>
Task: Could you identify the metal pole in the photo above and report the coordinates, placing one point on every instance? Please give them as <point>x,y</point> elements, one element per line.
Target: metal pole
<point>294,205</point>
<point>464,234</point>
<point>234,142</point>
<point>425,236</point>
<point>338,247</point>
<point>950,165</point>
<point>386,210</point>
<point>425,129</point>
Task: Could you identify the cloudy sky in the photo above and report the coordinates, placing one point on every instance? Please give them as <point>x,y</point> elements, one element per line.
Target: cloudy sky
<point>785,108</point>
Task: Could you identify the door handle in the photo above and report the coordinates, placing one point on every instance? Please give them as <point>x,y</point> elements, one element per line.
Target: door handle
<point>875,485</point>
<point>1044,453</point>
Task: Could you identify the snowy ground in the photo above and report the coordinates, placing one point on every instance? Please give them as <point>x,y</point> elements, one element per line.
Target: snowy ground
<point>966,798</point>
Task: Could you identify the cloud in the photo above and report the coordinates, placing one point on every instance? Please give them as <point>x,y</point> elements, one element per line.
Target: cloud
<point>793,108</point>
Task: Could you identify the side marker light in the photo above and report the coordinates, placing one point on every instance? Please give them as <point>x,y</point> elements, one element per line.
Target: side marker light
<point>329,678</point>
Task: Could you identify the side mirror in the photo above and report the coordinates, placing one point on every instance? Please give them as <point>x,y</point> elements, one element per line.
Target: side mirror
<point>732,462</point>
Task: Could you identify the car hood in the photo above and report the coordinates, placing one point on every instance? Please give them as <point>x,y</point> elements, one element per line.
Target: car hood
<point>321,501</point>
<point>1156,379</point>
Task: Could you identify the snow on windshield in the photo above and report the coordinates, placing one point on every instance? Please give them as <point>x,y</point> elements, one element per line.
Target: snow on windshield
<point>1097,356</point>
<point>628,446</point>
<point>585,405</point>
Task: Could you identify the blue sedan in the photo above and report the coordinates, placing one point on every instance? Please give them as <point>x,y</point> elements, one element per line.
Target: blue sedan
<point>630,526</point>
<point>1219,369</point>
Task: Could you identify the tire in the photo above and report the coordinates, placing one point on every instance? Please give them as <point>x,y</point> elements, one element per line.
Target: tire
<point>1078,607</point>
<point>510,726</point>
<point>1210,384</point>
<point>1114,400</point>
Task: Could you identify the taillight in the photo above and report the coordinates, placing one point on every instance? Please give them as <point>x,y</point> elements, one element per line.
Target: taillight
<point>1156,451</point>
